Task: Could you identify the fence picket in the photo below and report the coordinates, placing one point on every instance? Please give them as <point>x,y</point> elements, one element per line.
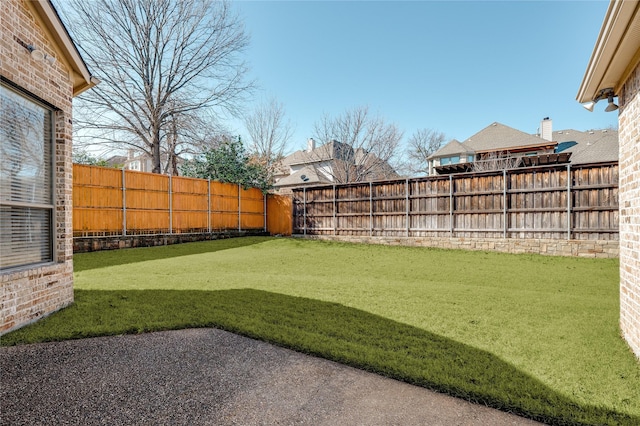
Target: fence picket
<point>555,201</point>
<point>110,202</point>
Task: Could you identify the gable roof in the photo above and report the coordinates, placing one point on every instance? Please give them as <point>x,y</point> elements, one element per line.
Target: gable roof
<point>497,136</point>
<point>296,178</point>
<point>451,148</point>
<point>52,25</point>
<point>324,152</point>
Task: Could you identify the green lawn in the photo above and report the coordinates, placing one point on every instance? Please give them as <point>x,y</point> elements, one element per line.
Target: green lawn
<point>529,334</point>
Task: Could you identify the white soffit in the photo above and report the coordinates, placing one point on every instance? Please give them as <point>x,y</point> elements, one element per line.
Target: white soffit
<point>617,50</point>
<point>82,79</point>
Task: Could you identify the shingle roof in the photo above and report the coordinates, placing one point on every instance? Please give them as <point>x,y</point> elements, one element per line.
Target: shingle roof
<point>295,179</point>
<point>322,153</point>
<point>592,146</point>
<point>452,147</point>
<point>497,136</point>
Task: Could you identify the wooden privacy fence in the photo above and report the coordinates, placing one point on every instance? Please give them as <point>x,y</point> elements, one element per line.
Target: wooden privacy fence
<point>110,201</point>
<point>560,201</point>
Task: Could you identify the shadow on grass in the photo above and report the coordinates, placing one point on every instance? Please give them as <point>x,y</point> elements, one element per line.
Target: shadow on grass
<point>327,330</point>
<point>104,259</point>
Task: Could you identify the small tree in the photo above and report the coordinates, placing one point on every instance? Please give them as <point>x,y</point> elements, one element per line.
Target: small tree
<point>421,145</point>
<point>269,132</point>
<point>364,145</point>
<point>228,162</point>
<point>84,157</point>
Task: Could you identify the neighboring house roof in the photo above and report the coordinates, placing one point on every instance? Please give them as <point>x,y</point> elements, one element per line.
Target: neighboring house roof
<point>52,24</point>
<point>453,147</point>
<point>325,152</point>
<point>498,137</point>
<point>615,54</point>
<point>331,153</point>
<point>592,146</point>
<point>305,176</point>
<point>116,160</point>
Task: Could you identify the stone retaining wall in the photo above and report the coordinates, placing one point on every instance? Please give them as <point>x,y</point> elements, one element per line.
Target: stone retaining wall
<point>87,244</point>
<point>578,248</point>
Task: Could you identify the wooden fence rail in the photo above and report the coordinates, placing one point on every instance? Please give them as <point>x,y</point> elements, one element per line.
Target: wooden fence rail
<point>560,201</point>
<point>109,202</point>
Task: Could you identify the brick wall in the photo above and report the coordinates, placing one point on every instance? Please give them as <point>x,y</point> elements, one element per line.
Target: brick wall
<point>629,200</point>
<point>578,248</point>
<point>27,294</point>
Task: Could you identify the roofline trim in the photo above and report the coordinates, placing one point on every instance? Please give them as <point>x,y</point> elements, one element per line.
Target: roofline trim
<point>614,33</point>
<point>58,31</point>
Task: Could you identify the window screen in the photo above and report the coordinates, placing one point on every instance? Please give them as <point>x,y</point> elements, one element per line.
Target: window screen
<point>26,195</point>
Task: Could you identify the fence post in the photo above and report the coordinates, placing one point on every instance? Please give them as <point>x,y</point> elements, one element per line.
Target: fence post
<point>504,203</point>
<point>304,211</point>
<point>264,209</point>
<point>170,207</point>
<point>406,205</point>
<point>451,205</point>
<point>335,216</point>
<point>209,204</point>
<point>569,201</point>
<point>124,204</point>
<point>370,208</point>
<point>239,210</point>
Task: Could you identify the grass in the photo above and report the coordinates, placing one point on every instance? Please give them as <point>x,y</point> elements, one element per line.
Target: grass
<point>528,334</point>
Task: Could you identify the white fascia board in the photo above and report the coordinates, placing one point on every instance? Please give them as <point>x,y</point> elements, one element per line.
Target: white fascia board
<point>616,52</point>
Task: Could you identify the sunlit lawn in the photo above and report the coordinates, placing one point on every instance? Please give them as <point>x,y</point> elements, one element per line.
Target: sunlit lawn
<point>530,334</point>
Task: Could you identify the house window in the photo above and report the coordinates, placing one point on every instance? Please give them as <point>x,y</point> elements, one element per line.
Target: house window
<point>470,158</point>
<point>449,160</point>
<point>26,193</point>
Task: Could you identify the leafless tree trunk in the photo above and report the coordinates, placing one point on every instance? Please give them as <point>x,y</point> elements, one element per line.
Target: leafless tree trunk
<point>421,145</point>
<point>362,146</point>
<point>161,62</point>
<point>269,131</point>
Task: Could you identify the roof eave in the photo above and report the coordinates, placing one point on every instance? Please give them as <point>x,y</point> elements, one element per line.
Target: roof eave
<point>548,145</point>
<point>82,79</point>
<point>615,54</point>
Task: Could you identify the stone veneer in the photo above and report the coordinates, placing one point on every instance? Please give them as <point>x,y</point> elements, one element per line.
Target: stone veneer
<point>629,201</point>
<point>578,248</point>
<point>28,293</point>
<point>88,244</point>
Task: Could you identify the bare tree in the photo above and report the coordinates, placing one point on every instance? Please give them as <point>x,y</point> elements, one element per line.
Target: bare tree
<point>421,145</point>
<point>359,145</point>
<point>161,62</point>
<point>269,131</point>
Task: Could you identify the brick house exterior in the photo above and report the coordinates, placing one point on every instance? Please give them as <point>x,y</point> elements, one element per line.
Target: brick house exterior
<point>39,65</point>
<point>614,69</point>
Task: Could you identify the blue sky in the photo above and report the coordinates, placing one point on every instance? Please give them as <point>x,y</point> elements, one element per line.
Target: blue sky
<point>454,67</point>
